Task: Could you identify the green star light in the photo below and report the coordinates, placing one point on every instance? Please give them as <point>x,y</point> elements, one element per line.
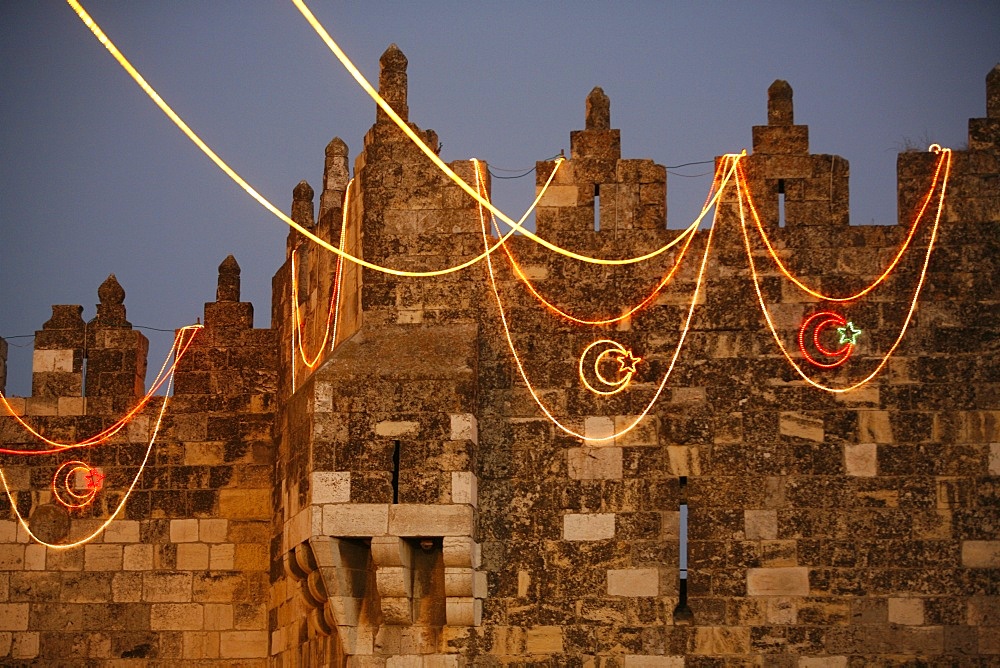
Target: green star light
<point>849,333</point>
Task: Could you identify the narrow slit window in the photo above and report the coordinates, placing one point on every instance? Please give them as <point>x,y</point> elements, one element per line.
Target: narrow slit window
<point>395,471</point>
<point>683,613</point>
<point>597,207</point>
<point>781,202</point>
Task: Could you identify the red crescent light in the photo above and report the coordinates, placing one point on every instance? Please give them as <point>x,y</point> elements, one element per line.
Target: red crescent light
<point>831,318</point>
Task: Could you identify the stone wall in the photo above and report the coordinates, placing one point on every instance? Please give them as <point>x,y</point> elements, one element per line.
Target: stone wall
<point>402,499</point>
<point>181,573</point>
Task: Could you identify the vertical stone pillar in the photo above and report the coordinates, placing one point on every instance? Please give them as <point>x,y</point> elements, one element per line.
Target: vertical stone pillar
<point>392,84</point>
<point>984,133</point>
<point>57,363</point>
<point>116,354</point>
<point>336,175</point>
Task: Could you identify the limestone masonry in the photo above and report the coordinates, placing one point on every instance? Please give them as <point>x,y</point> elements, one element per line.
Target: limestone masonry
<point>407,503</point>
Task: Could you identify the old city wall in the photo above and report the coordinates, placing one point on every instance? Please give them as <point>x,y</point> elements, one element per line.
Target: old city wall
<point>401,499</point>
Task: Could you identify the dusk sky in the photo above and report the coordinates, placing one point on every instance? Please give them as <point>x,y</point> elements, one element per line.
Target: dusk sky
<point>95,180</point>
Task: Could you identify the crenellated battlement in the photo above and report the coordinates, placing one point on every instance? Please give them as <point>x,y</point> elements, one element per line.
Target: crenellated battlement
<point>491,464</point>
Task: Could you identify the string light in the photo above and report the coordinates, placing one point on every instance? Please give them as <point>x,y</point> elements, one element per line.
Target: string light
<point>888,270</point>
<point>626,367</point>
<point>242,183</point>
<point>76,500</point>
<point>334,309</point>
<point>433,156</point>
<point>177,351</point>
<point>687,234</point>
<point>121,504</point>
<point>673,360</point>
<point>743,189</point>
<point>828,318</point>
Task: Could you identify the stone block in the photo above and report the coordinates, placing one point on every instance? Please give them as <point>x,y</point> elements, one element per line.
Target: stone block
<point>544,640</point>
<point>464,426</point>
<point>11,557</point>
<point>788,581</point>
<point>245,503</point>
<point>331,486</point>
<point>122,531</point>
<point>861,459</point>
<point>799,426</point>
<point>461,552</point>
<point>34,557</point>
<point>780,611</point>
<point>720,640</point>
<point>243,644</point>
<point>463,611</point>
<point>761,524</point>
<point>25,645</point>
<point>981,553</point>
<point>994,459</point>
<point>598,430</point>
<point>102,557</point>
<point>166,587</point>
<point>213,530</point>
<point>822,662</point>
<point>641,661</point>
<point>192,557</point>
<point>70,406</point>
<point>200,645</point>
<point>874,427</point>
<point>685,460</point>
<point>52,360</point>
<point>176,617</point>
<point>218,616</point>
<point>908,611</point>
<point>633,582</point>
<point>431,520</point>
<point>361,519</point>
<point>222,557</point>
<point>464,488</point>
<point>459,582</point>
<point>559,196</point>
<point>13,616</point>
<point>138,558</point>
<point>591,526</point>
<point>595,463</point>
<point>183,531</point>
<point>390,428</point>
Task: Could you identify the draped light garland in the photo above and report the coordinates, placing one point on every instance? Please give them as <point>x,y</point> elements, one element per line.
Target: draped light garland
<point>63,481</point>
<point>731,167</point>
<point>517,358</point>
<point>744,197</point>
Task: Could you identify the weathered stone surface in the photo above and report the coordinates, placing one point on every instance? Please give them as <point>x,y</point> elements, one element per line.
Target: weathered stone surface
<point>404,500</point>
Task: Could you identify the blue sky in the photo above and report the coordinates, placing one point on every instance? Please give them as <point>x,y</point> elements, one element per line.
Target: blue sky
<point>95,180</point>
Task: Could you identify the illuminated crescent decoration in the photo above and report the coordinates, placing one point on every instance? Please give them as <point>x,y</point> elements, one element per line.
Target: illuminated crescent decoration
<point>613,351</point>
<point>64,484</point>
<point>823,320</point>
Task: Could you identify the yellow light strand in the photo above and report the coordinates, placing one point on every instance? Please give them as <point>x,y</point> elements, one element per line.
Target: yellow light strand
<point>334,294</point>
<point>687,234</point>
<point>909,314</point>
<point>885,274</point>
<point>520,366</point>
<point>176,351</point>
<point>121,504</point>
<point>429,152</point>
<point>231,173</point>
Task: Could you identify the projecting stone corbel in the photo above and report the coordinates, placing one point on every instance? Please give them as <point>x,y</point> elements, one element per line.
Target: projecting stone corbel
<point>464,585</point>
<point>393,556</point>
<point>343,565</point>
